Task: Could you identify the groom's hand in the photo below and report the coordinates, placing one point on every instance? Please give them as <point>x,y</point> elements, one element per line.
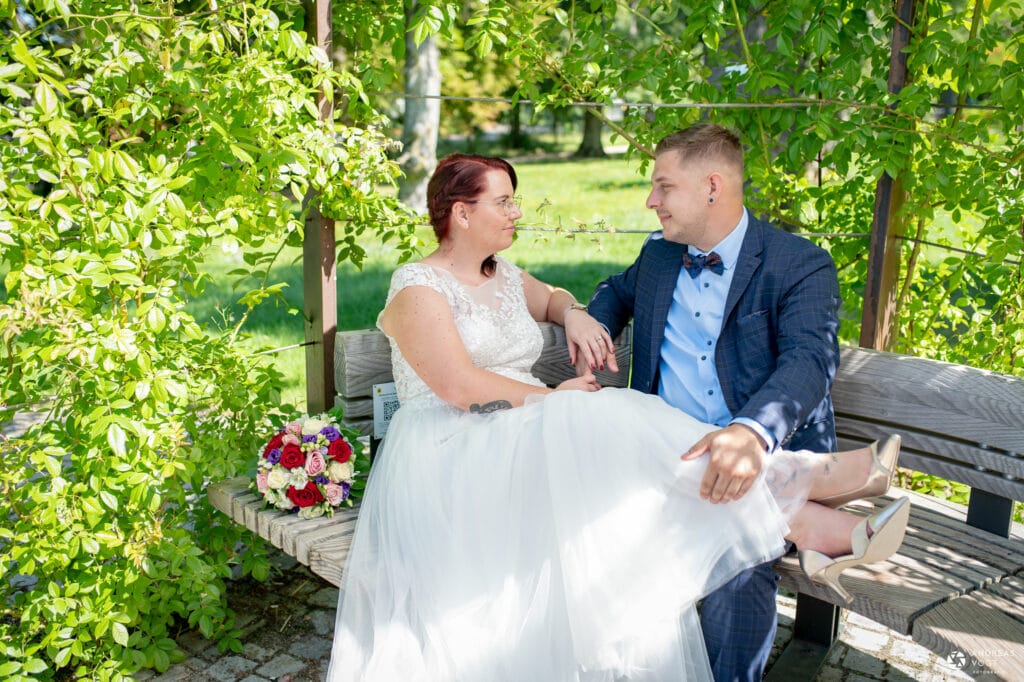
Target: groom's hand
<point>735,459</point>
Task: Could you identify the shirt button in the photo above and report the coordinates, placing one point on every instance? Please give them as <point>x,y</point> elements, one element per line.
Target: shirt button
<point>709,343</point>
<point>707,284</point>
<point>711,391</point>
<point>696,314</point>
<point>703,357</point>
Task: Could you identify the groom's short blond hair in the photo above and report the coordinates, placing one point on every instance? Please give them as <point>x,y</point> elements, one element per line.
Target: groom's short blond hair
<point>704,142</point>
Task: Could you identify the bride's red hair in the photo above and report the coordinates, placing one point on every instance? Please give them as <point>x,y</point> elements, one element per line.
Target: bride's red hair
<point>460,177</point>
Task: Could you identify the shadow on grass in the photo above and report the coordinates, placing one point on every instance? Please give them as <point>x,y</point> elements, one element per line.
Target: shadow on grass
<point>579,278</point>
<point>361,294</point>
<point>612,185</point>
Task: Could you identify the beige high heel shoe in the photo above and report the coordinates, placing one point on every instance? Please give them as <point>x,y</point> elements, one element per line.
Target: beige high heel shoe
<point>884,454</point>
<point>888,526</point>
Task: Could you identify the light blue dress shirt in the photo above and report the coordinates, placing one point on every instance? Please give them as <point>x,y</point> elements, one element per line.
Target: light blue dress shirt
<point>689,377</point>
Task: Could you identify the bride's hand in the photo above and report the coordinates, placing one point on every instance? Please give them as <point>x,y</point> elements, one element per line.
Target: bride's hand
<point>587,382</point>
<point>586,337</point>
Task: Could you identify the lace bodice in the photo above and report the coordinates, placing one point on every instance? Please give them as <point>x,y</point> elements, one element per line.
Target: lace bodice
<point>492,319</point>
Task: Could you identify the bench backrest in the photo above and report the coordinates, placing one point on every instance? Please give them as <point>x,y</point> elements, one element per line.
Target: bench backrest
<point>957,422</point>
<point>961,423</point>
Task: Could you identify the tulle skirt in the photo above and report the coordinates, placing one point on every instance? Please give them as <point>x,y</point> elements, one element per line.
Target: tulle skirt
<point>561,541</point>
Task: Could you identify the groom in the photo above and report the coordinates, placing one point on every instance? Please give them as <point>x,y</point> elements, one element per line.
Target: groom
<point>734,322</point>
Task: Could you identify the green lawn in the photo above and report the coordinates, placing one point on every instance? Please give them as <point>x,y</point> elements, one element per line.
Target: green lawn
<point>561,200</point>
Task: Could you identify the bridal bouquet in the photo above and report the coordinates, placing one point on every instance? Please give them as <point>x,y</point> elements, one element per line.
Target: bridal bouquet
<point>309,465</point>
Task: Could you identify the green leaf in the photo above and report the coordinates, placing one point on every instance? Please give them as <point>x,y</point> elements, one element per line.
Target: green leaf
<point>116,438</point>
<point>46,98</point>
<point>34,666</point>
<point>241,154</point>
<point>9,668</point>
<point>62,657</point>
<point>90,545</point>
<point>109,500</point>
<point>8,70</point>
<point>120,634</point>
<point>22,54</point>
<point>124,165</point>
<point>156,321</point>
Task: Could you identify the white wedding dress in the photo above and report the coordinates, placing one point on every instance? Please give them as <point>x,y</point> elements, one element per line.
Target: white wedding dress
<point>560,541</point>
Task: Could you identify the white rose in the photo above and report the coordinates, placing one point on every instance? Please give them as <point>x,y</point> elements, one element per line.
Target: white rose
<point>312,427</point>
<point>284,503</point>
<point>298,478</point>
<point>278,478</point>
<point>340,471</point>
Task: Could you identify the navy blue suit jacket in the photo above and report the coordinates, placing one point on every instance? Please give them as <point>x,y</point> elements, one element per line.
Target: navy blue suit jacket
<point>778,350</point>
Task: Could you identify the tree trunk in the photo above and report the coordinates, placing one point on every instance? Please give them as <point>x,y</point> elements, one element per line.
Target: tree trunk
<point>591,146</point>
<point>422,116</point>
<point>516,138</point>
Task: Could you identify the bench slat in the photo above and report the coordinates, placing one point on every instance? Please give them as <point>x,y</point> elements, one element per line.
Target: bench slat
<point>321,543</point>
<point>361,359</point>
<point>983,625</point>
<point>956,461</point>
<point>328,558</point>
<point>925,446</point>
<point>964,403</point>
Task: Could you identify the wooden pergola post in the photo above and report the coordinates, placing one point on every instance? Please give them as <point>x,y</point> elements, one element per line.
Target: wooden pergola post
<point>319,270</point>
<point>876,322</point>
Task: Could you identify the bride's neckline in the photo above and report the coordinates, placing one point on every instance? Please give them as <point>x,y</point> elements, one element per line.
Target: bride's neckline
<point>459,280</point>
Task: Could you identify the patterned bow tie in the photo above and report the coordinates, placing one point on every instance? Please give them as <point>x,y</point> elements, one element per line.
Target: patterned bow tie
<point>694,264</point>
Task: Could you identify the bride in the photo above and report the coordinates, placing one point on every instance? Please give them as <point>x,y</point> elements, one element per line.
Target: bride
<point>513,532</point>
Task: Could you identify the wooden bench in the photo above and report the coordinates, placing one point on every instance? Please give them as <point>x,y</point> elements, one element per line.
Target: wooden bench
<point>957,584</point>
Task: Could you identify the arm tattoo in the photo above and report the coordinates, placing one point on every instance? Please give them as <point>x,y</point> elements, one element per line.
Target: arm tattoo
<point>492,406</point>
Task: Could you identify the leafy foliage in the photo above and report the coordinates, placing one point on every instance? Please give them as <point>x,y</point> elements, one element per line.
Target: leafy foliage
<point>805,84</point>
<point>135,137</point>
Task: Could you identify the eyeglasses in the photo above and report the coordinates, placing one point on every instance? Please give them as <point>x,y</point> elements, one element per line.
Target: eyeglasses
<point>507,205</point>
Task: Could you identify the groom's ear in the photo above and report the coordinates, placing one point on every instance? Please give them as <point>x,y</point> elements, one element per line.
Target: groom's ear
<point>714,183</point>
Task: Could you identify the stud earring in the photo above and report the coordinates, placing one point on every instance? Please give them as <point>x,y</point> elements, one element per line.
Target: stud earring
<point>711,200</point>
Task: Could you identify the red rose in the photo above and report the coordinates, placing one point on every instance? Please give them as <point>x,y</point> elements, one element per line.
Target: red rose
<point>339,450</point>
<point>274,444</point>
<point>305,497</point>
<point>292,456</point>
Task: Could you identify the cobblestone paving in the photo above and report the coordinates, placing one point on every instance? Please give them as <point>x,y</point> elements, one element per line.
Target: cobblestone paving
<point>287,625</point>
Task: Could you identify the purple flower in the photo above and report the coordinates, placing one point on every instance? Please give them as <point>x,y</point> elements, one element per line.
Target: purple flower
<point>321,479</point>
<point>330,433</point>
<point>345,489</point>
<point>274,456</point>
<point>309,439</point>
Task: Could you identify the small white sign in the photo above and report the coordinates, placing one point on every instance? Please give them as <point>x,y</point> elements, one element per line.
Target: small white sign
<point>385,402</point>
